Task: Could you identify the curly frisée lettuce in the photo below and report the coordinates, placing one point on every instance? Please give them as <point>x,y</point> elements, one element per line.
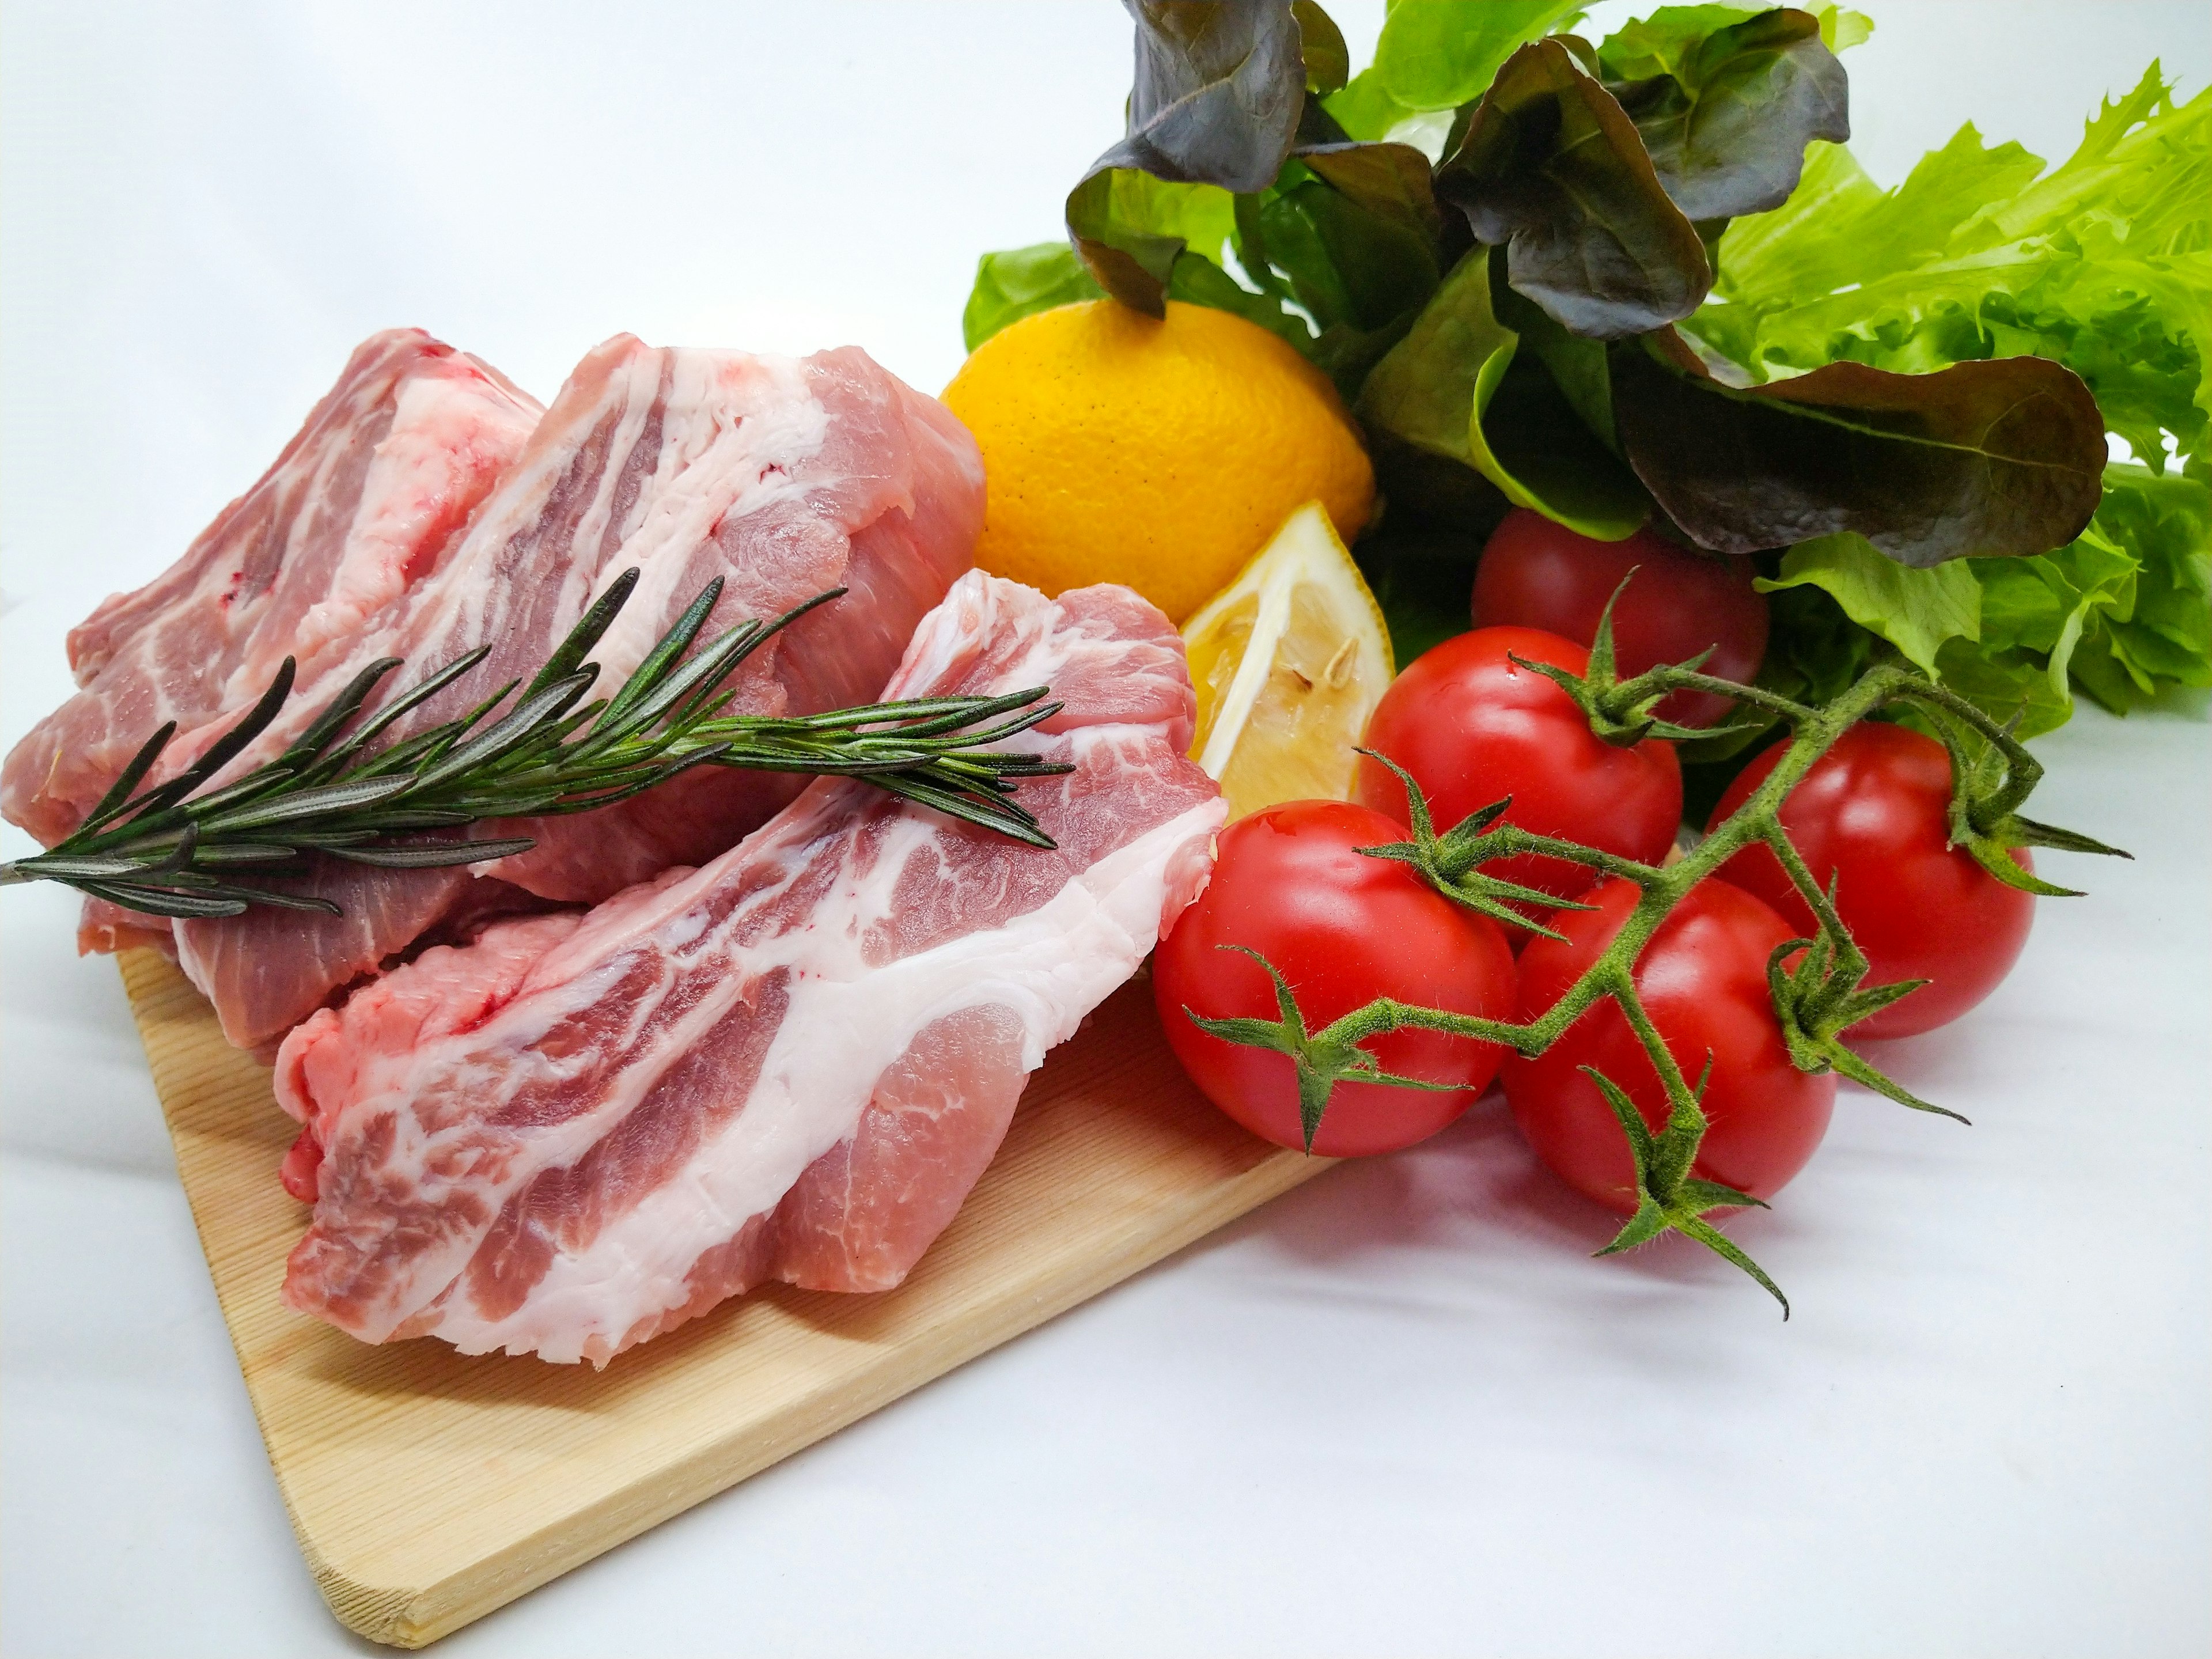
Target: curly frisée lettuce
<point>2121,613</point>
<point>2103,263</point>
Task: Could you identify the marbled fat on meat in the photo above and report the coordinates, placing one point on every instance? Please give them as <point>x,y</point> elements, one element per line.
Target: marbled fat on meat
<point>793,1063</point>
<point>363,505</point>
<point>783,477</point>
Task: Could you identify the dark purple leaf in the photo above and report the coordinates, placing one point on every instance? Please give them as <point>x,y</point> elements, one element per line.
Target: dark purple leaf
<point>1553,169</point>
<point>1989,459</point>
<point>1726,129</point>
<point>1220,88</point>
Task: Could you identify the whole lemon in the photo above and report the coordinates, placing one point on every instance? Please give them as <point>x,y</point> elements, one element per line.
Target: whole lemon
<point>1161,453</point>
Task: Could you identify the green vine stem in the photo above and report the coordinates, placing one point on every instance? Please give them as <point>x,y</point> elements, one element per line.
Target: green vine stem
<point>1818,984</point>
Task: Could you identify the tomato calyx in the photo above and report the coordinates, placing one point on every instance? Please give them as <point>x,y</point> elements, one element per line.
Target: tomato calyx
<point>1825,992</point>
<point>1824,995</point>
<point>1668,1198</point>
<point>1991,775</point>
<point>1331,1055</point>
<point>1451,862</point>
<point>1620,712</point>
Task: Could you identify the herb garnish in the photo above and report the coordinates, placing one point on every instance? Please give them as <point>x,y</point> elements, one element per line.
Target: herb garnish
<point>180,849</point>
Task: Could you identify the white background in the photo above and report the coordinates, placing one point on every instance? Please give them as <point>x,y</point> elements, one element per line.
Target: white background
<point>1397,1411</point>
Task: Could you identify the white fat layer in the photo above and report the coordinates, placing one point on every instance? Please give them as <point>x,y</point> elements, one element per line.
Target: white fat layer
<point>449,437</point>
<point>846,1024</point>
<point>634,390</point>
<point>438,448</point>
<point>970,612</point>
<point>736,431</point>
<point>465,608</point>
<point>503,1059</point>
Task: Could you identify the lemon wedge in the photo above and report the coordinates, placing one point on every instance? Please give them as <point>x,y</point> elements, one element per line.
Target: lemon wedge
<point>1289,661</point>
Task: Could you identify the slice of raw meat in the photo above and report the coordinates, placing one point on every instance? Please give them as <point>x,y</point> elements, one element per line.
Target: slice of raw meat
<point>791,1063</point>
<point>784,478</point>
<point>105,929</point>
<point>364,502</point>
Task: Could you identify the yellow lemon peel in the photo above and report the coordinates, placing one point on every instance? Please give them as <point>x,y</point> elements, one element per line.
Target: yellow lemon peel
<point>1160,454</point>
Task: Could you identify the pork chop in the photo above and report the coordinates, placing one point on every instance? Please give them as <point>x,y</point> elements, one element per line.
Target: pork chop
<point>790,1063</point>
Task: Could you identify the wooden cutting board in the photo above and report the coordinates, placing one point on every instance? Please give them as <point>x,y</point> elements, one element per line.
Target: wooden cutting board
<point>428,1488</point>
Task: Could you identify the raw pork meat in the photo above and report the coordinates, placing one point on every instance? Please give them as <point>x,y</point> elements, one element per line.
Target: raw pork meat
<point>793,1063</point>
<point>783,477</point>
<point>364,503</point>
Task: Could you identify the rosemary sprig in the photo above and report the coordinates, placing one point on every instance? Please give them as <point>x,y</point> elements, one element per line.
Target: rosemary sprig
<point>182,849</point>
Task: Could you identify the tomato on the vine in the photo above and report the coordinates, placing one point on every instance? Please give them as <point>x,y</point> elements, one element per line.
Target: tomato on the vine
<point>1343,929</point>
<point>1537,574</point>
<point>1702,979</point>
<point>1873,815</point>
<point>1471,725</point>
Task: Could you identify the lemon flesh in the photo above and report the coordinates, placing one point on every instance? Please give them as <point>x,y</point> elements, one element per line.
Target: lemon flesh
<point>1289,660</point>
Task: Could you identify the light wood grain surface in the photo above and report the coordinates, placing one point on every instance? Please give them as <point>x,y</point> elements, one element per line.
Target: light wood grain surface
<point>428,1488</point>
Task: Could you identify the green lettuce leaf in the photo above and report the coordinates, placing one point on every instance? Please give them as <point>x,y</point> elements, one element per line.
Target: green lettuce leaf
<point>1349,238</point>
<point>1012,285</point>
<point>1129,227</point>
<point>1364,108</point>
<point>2102,264</point>
<point>2167,523</point>
<point>2013,686</point>
<point>1459,386</point>
<point>2045,604</point>
<point>1439,54</point>
<point>1664,42</point>
<point>2121,612</point>
<point>1349,234</point>
<point>2134,595</point>
<point>1200,282</point>
<point>1022,281</point>
<point>1579,366</point>
<point>1916,610</point>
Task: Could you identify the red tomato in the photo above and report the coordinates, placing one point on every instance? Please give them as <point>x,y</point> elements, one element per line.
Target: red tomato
<point>1703,979</point>
<point>1873,814</point>
<point>1343,929</point>
<point>1536,574</point>
<point>1471,727</point>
